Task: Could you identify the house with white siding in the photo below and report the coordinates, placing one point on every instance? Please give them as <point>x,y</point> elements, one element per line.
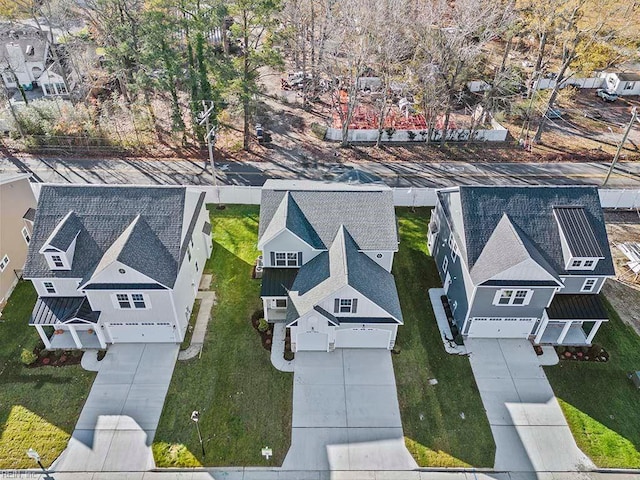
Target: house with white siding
<point>327,255</point>
<point>523,261</point>
<point>116,264</point>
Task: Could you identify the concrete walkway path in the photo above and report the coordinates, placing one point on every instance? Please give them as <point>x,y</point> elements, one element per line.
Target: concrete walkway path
<point>119,419</point>
<point>345,413</point>
<point>528,426</point>
<point>207,301</point>
<point>277,349</point>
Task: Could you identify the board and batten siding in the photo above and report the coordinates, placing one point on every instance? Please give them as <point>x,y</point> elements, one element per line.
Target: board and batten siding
<point>286,241</point>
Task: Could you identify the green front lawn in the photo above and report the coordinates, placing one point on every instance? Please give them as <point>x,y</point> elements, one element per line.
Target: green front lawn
<point>39,407</point>
<point>432,416</point>
<point>244,403</point>
<point>599,401</point>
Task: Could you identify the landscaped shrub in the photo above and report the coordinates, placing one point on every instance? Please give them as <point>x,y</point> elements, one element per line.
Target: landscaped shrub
<point>288,356</point>
<point>27,357</point>
<point>263,325</point>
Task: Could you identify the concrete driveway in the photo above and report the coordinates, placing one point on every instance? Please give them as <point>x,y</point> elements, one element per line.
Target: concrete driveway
<point>345,413</point>
<point>528,426</point>
<point>119,419</point>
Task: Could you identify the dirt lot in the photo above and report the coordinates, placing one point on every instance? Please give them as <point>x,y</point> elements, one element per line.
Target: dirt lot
<point>625,297</point>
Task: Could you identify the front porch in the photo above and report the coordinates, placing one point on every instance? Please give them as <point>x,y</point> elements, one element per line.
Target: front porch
<point>66,341</point>
<point>67,323</point>
<point>276,283</point>
<point>571,320</point>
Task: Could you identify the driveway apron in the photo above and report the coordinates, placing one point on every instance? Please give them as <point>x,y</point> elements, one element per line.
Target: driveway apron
<point>528,426</point>
<point>345,413</point>
<point>121,414</point>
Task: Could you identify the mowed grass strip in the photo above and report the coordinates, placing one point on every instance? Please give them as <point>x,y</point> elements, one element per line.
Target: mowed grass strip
<point>39,407</point>
<point>600,403</point>
<point>244,403</point>
<point>445,425</point>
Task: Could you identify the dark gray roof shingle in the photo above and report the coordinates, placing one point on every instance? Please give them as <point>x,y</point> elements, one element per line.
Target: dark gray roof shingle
<point>368,215</point>
<point>103,214</point>
<point>347,266</point>
<point>530,209</point>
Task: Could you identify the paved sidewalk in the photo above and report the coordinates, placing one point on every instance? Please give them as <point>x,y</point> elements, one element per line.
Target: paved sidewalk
<point>119,419</point>
<point>236,473</point>
<point>528,426</point>
<point>345,413</point>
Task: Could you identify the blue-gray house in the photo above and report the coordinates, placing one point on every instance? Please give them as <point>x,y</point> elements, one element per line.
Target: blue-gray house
<point>523,262</point>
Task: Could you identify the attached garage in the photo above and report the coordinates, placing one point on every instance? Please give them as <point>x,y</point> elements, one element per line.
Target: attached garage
<point>312,341</point>
<point>500,327</point>
<point>141,332</point>
<point>363,338</point>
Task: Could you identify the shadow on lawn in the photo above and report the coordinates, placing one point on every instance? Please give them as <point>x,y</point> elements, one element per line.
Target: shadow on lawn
<point>602,402</point>
<point>46,395</point>
<point>437,434</point>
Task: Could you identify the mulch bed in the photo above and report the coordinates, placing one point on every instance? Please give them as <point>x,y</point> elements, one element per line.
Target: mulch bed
<point>594,353</point>
<point>56,358</point>
<point>265,337</point>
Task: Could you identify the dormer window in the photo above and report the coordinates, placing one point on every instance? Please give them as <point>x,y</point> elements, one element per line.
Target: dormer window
<point>59,248</point>
<point>580,246</point>
<point>582,264</point>
<point>57,261</point>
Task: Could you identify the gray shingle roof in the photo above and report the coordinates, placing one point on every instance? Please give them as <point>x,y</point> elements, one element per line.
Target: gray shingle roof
<point>347,266</point>
<point>509,238</point>
<point>288,215</point>
<point>368,214</point>
<point>65,232</point>
<point>577,231</point>
<point>103,214</point>
<point>530,209</point>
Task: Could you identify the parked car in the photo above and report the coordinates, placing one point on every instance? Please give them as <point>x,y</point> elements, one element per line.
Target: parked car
<point>593,114</point>
<point>554,113</point>
<point>607,95</point>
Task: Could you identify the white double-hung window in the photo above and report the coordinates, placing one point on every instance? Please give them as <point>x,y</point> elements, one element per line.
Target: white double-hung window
<point>512,297</point>
<point>286,259</point>
<point>126,301</point>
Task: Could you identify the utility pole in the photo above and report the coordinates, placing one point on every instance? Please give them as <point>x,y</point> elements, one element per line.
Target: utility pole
<point>210,137</point>
<point>634,115</point>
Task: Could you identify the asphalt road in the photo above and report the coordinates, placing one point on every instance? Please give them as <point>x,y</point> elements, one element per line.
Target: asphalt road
<point>190,172</point>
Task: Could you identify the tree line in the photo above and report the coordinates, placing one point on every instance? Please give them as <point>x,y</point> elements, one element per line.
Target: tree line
<point>216,50</point>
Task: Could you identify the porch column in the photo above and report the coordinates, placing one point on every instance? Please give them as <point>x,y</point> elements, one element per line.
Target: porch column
<point>541,328</point>
<point>593,331</point>
<point>100,335</point>
<point>75,336</point>
<point>564,332</point>
<point>265,307</point>
<point>43,336</point>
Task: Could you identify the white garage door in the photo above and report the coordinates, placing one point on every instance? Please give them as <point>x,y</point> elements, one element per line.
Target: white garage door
<point>362,338</point>
<point>485,327</point>
<point>145,332</point>
<point>315,341</point>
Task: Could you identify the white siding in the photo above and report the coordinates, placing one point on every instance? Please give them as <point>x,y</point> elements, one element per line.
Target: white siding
<point>65,287</point>
<point>366,308</point>
<point>111,274</point>
<point>385,260</point>
<point>287,242</point>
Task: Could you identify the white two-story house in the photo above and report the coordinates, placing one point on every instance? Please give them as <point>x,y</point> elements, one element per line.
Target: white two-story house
<point>327,254</point>
<point>116,264</point>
